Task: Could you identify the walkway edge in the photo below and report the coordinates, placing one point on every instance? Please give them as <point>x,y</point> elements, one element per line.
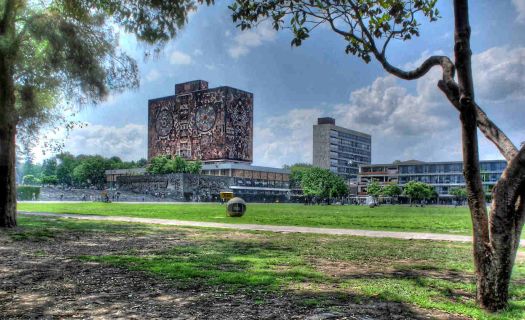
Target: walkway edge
<point>270,228</point>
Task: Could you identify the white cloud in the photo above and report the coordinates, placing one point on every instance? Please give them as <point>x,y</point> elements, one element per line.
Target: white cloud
<point>285,139</point>
<point>198,52</point>
<point>246,40</point>
<point>128,142</point>
<point>181,58</point>
<point>520,8</point>
<point>499,73</point>
<point>153,75</point>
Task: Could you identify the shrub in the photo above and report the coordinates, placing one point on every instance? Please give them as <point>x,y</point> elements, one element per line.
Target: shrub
<point>26,192</point>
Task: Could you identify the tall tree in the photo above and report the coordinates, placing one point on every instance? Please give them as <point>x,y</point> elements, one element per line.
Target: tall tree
<point>368,27</point>
<point>66,50</point>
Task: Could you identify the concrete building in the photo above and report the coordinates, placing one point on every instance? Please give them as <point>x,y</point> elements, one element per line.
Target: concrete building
<point>201,123</point>
<point>443,176</point>
<point>339,149</point>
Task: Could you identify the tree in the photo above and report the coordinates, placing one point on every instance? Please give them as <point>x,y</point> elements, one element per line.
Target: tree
<point>30,180</point>
<point>368,27</point>
<point>65,167</point>
<point>416,190</point>
<point>194,167</point>
<point>91,171</point>
<point>58,52</point>
<point>374,190</point>
<point>322,183</point>
<point>296,173</point>
<point>459,193</point>
<point>391,190</point>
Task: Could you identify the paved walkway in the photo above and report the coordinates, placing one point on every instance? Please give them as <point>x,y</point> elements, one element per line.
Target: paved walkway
<point>258,227</point>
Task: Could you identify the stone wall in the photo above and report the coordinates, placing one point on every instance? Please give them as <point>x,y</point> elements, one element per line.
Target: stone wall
<point>177,186</point>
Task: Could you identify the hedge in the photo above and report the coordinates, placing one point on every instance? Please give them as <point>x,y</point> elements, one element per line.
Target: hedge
<point>26,192</point>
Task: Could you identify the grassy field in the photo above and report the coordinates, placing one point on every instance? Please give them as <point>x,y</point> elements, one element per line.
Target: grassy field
<point>331,269</point>
<point>394,218</point>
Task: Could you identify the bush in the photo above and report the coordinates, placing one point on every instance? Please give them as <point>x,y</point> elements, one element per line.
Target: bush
<point>26,192</point>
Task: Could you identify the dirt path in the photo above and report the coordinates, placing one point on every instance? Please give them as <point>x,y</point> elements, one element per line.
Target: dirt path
<point>257,227</point>
<point>46,280</point>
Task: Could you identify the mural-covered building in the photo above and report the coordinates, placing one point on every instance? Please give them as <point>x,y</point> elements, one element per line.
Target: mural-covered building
<point>198,123</point>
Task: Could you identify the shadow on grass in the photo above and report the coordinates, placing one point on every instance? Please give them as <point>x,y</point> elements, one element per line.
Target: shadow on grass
<point>256,268</point>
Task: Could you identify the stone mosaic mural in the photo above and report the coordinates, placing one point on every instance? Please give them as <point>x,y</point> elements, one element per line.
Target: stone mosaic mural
<point>198,123</point>
<point>177,186</point>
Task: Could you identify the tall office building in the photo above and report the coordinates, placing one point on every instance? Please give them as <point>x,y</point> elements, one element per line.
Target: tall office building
<point>339,149</point>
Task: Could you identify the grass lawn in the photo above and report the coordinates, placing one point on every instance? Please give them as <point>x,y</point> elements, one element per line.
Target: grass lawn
<point>394,218</point>
<point>331,269</point>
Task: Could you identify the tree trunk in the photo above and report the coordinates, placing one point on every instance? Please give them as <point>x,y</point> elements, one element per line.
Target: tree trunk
<point>7,177</point>
<point>8,119</point>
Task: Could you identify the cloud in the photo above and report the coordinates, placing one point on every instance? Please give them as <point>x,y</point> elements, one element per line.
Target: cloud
<point>129,142</point>
<point>499,73</point>
<point>153,75</point>
<point>285,139</point>
<point>180,58</point>
<point>246,40</point>
<point>198,52</point>
<point>520,8</point>
<point>407,121</point>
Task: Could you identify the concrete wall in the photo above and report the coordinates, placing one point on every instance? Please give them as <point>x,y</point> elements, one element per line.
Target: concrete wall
<point>177,186</point>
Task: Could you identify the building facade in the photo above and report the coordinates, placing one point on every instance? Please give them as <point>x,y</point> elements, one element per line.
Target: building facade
<point>443,176</point>
<point>198,123</point>
<point>339,149</point>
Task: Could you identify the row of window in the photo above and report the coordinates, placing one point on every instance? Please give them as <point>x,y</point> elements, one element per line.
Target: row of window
<point>347,157</point>
<point>339,134</point>
<point>349,143</point>
<point>261,183</point>
<point>350,149</point>
<point>498,166</point>
<point>447,179</point>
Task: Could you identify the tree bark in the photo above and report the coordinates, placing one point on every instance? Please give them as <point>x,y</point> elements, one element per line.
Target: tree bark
<point>496,238</point>
<point>8,119</point>
<point>7,177</point>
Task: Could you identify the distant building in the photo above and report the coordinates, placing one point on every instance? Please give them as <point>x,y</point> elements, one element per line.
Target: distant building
<point>339,149</point>
<point>198,123</point>
<point>443,176</point>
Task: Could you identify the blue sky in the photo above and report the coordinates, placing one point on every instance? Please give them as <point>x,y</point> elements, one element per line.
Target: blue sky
<point>294,86</point>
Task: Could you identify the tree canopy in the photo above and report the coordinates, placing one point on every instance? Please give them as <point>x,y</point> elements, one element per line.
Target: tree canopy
<point>322,183</point>
<point>167,164</point>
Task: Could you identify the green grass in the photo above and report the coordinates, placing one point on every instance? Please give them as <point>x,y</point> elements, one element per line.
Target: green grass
<point>317,270</point>
<point>394,218</point>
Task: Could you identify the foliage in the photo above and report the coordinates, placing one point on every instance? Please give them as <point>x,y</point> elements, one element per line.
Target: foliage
<point>26,192</point>
<point>296,173</point>
<point>322,183</point>
<point>416,190</point>
<point>30,180</point>
<point>460,193</point>
<point>361,23</point>
<point>194,167</point>
<point>166,165</point>
<point>52,179</point>
<point>374,189</point>
<point>391,190</point>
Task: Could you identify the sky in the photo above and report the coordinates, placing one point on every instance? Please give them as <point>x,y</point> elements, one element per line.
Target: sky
<point>293,86</point>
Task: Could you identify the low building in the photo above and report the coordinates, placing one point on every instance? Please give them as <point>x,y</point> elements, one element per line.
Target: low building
<point>443,176</point>
<point>252,183</point>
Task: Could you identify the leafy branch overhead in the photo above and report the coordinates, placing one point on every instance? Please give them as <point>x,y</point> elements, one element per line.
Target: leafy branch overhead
<point>366,25</point>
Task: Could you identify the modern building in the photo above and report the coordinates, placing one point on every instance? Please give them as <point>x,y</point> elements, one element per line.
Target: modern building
<point>252,183</point>
<point>339,149</point>
<point>204,124</point>
<point>443,176</point>
<point>214,126</point>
